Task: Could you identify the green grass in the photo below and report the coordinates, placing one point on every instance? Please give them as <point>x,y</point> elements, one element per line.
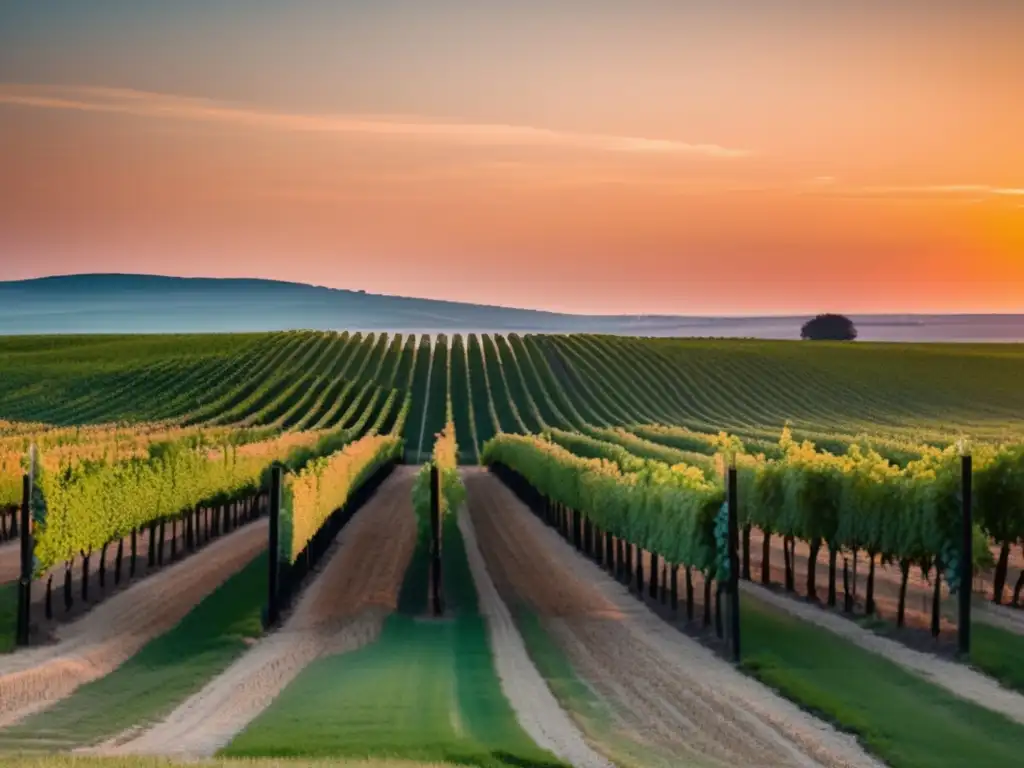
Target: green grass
<point>164,673</point>
<point>832,391</point>
<point>586,709</point>
<point>554,666</point>
<point>906,721</point>
<point>426,690</point>
<point>74,761</point>
<point>999,654</point>
<point>8,616</point>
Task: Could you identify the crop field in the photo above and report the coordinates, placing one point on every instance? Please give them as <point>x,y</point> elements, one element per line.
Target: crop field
<point>509,550</point>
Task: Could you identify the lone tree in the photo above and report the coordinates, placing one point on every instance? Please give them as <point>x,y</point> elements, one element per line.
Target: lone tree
<point>829,328</point>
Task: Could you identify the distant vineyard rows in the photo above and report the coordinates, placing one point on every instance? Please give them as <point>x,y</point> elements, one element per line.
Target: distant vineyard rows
<point>901,397</point>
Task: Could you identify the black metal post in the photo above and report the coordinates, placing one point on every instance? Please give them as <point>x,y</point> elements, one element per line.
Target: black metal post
<point>25,582</point>
<point>435,540</point>
<point>734,565</point>
<point>966,559</point>
<point>273,574</point>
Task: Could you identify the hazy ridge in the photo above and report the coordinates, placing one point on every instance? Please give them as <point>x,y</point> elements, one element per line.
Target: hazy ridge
<point>154,304</point>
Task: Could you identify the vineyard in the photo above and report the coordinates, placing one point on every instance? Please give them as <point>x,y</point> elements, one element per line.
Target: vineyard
<point>410,543</point>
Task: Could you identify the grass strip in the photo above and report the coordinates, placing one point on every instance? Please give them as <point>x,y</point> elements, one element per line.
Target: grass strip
<point>999,654</point>
<point>426,690</point>
<point>8,616</point>
<point>164,673</point>
<point>898,716</point>
<point>554,666</point>
<point>75,761</point>
<point>591,714</point>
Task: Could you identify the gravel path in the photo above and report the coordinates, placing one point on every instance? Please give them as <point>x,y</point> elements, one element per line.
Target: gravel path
<point>670,695</point>
<point>535,706</point>
<point>116,629</point>
<point>957,678</point>
<point>1010,619</point>
<point>343,609</point>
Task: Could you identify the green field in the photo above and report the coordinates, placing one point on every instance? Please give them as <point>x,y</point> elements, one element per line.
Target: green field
<point>906,721</point>
<point>67,761</point>
<point>919,392</point>
<point>998,653</point>
<point>426,689</point>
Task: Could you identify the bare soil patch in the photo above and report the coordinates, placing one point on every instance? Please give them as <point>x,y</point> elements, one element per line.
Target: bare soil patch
<point>535,706</point>
<point>670,694</point>
<point>10,561</point>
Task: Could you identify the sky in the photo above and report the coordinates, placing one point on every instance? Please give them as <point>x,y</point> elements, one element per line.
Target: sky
<point>598,156</point>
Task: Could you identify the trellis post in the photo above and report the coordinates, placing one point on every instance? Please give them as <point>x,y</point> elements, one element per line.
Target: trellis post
<point>273,557</point>
<point>734,569</point>
<point>435,540</point>
<point>966,574</point>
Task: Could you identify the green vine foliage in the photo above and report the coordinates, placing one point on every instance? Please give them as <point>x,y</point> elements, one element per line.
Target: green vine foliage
<point>999,495</point>
<point>325,484</point>
<point>666,510</point>
<point>861,501</point>
<point>81,506</point>
<point>453,492</point>
<point>856,501</point>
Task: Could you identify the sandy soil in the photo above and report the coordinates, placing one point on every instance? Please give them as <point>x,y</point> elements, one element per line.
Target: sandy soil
<point>10,561</point>
<point>343,609</point>
<point>957,678</point>
<point>107,636</point>
<point>535,706</point>
<point>669,694</point>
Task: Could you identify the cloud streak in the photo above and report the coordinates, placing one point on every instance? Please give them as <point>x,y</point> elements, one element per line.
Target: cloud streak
<point>171,107</point>
<point>970,192</point>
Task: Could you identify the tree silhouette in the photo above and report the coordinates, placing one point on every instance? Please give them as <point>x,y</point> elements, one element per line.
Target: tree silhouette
<point>829,328</point>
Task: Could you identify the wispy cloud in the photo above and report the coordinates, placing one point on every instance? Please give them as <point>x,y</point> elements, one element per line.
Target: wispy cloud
<point>962,192</point>
<point>950,189</point>
<point>168,106</point>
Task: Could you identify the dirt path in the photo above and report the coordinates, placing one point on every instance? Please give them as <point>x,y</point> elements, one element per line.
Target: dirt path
<point>343,609</point>
<point>10,561</point>
<point>669,694</point>
<point>109,635</point>
<point>956,678</point>
<point>535,706</point>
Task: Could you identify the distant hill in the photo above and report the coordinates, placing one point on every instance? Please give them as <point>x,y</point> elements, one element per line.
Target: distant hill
<point>111,303</point>
<point>108,303</point>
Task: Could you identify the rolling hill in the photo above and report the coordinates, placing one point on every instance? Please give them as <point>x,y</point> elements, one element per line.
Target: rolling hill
<point>115,303</point>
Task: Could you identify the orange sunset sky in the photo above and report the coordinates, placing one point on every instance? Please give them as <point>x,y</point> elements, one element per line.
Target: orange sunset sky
<point>645,157</point>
